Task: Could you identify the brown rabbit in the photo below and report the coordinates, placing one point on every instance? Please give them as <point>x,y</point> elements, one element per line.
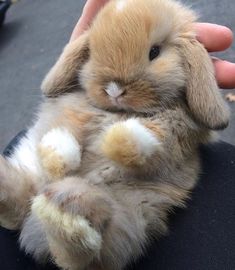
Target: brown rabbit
<point>115,145</point>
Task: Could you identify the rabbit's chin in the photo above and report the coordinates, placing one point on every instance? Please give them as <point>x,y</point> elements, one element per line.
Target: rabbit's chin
<point>119,105</point>
<point>114,106</point>
<point>125,103</point>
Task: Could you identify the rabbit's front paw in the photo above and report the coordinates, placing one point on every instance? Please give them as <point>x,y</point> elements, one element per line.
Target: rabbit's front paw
<point>59,152</point>
<point>130,143</point>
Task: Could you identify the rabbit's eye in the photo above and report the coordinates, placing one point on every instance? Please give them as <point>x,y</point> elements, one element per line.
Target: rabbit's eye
<point>154,52</point>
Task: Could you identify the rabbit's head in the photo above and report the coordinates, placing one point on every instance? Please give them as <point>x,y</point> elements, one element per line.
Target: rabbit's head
<point>144,55</point>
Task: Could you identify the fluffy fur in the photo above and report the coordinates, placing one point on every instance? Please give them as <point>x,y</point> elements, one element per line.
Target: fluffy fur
<point>137,143</point>
<point>59,152</point>
<point>115,146</point>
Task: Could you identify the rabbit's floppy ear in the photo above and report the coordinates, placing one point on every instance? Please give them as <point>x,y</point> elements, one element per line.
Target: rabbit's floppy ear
<point>202,93</point>
<point>63,77</point>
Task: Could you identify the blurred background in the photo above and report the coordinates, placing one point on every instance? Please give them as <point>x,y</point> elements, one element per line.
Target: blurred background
<point>32,38</point>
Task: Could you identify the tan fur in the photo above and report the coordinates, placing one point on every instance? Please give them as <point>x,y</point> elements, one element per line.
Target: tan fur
<point>155,129</point>
<point>17,188</point>
<point>76,228</point>
<point>76,121</point>
<point>62,78</point>
<point>124,196</point>
<point>51,162</point>
<point>119,145</point>
<point>202,93</point>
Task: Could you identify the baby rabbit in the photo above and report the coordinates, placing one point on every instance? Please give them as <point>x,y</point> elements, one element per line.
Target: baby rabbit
<point>115,144</point>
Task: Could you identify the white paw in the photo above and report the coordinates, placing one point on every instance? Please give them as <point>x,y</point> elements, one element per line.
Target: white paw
<point>62,147</point>
<point>146,141</point>
<point>129,143</point>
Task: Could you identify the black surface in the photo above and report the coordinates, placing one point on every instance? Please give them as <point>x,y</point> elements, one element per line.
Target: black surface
<point>201,237</point>
<point>4,5</point>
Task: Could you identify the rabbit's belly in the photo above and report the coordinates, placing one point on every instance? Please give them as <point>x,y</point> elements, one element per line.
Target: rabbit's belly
<point>97,170</point>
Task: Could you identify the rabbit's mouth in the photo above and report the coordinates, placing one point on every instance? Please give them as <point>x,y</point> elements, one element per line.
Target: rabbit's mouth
<point>116,94</point>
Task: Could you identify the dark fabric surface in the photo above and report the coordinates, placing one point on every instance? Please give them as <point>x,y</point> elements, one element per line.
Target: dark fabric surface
<point>4,5</point>
<point>10,148</point>
<point>201,237</point>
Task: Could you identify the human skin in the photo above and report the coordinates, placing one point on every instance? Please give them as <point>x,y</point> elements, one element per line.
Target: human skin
<point>214,37</point>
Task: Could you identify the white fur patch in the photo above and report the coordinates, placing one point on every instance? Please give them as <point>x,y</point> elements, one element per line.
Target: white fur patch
<point>25,154</point>
<point>121,5</point>
<point>145,139</point>
<point>73,226</point>
<point>113,90</point>
<point>65,145</point>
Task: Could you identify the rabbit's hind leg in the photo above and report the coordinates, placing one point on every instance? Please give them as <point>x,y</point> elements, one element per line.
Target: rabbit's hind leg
<point>74,215</point>
<point>16,190</point>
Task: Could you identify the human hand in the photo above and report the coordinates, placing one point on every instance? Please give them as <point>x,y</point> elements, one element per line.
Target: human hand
<point>214,37</point>
<point>217,38</point>
<point>90,10</point>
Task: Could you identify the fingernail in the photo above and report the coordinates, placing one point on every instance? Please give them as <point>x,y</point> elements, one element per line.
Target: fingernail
<point>215,58</point>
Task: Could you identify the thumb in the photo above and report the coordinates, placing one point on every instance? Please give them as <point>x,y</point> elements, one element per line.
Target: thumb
<point>90,10</point>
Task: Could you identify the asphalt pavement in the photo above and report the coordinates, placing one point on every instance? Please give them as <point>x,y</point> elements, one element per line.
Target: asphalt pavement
<point>32,38</point>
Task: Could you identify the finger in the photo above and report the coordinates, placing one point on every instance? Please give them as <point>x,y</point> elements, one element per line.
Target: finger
<point>214,37</point>
<point>225,73</point>
<point>90,10</point>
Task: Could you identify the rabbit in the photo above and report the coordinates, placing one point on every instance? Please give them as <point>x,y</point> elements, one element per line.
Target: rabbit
<point>115,146</point>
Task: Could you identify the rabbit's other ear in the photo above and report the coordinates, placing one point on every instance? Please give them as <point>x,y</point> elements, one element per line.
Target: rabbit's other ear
<point>63,77</point>
<point>202,93</point>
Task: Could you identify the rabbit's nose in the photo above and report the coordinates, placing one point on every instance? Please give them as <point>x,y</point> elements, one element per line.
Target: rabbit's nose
<point>114,90</point>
